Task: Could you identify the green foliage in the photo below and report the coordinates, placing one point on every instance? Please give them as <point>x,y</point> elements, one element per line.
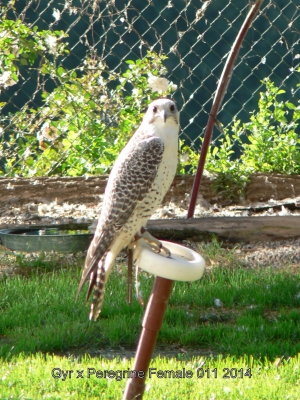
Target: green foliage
<point>274,145</point>
<point>85,120</point>
<point>231,176</point>
<point>267,143</point>
<point>188,159</point>
<point>90,112</point>
<point>23,46</point>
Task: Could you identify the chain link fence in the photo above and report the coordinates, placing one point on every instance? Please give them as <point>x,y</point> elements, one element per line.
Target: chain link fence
<point>74,73</point>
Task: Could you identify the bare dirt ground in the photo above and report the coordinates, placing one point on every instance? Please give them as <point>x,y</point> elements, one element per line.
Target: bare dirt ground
<point>277,253</point>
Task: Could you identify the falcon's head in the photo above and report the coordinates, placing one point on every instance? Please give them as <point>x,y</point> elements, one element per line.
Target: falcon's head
<point>162,111</point>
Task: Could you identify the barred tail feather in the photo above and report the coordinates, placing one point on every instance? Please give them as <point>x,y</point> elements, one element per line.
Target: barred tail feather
<point>103,272</point>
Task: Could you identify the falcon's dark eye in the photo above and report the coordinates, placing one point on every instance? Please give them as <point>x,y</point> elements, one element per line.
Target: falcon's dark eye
<point>172,107</point>
<point>154,109</point>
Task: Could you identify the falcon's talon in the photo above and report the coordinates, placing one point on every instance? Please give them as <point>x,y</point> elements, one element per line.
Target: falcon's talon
<point>155,244</point>
<point>167,251</point>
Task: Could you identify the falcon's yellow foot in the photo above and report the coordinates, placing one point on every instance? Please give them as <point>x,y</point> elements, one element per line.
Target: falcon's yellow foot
<point>154,243</point>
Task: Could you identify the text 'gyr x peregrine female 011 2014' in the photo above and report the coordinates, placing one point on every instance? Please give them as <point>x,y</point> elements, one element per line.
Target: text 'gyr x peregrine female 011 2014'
<point>138,182</point>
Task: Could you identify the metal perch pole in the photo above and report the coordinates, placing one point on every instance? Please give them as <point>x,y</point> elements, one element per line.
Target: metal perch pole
<point>184,265</point>
<point>152,322</point>
<point>220,92</point>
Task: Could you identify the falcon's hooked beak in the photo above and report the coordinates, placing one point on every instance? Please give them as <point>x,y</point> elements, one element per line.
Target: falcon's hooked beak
<point>164,115</point>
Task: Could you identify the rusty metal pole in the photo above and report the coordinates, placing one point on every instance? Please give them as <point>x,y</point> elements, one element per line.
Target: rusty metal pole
<point>220,92</point>
<point>152,322</point>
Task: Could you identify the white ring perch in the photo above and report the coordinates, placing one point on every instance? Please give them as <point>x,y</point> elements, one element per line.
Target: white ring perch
<point>184,264</point>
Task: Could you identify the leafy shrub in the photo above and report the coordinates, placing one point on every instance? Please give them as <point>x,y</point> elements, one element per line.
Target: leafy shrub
<point>88,117</point>
<point>85,120</point>
<point>269,142</point>
<point>273,143</point>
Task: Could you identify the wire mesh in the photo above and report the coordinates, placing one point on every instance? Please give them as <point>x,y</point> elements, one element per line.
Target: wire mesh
<point>70,99</point>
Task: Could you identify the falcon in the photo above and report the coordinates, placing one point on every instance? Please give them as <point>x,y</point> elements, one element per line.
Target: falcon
<point>137,184</point>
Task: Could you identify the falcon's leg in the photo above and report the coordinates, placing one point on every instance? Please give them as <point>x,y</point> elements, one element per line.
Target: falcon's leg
<point>154,243</point>
<point>137,282</point>
<point>137,287</point>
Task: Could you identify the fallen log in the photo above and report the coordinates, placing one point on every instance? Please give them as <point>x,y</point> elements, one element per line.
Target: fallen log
<point>232,229</point>
<point>229,229</point>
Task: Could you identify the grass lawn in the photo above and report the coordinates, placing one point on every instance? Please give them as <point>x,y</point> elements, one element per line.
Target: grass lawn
<point>237,333</point>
